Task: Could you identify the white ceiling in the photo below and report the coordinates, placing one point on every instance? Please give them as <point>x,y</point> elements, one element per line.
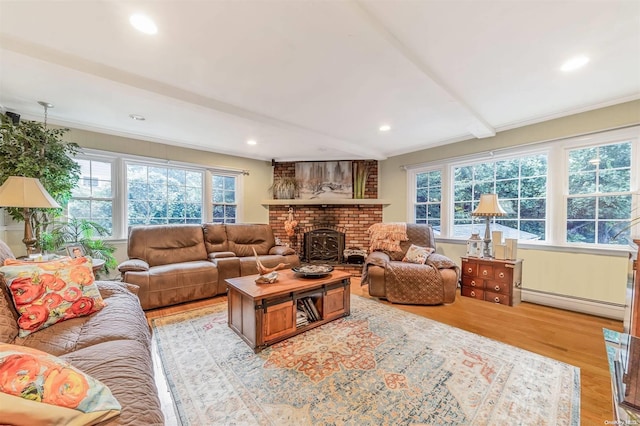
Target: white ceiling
<point>314,80</point>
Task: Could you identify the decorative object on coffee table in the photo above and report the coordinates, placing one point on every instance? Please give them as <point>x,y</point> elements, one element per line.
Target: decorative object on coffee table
<point>269,278</point>
<point>313,271</point>
<point>267,275</point>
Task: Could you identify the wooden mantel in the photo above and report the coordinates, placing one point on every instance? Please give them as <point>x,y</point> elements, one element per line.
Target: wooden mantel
<point>327,202</point>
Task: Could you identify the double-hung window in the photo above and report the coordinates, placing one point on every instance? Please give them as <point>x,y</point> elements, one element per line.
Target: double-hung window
<point>224,198</point>
<point>428,198</point>
<point>599,194</point>
<point>163,195</point>
<point>93,197</point>
<point>521,185</point>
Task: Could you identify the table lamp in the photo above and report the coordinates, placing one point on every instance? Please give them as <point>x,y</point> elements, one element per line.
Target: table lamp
<point>488,207</point>
<point>28,193</point>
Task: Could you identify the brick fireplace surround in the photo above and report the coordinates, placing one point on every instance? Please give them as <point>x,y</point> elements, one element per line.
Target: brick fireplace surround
<point>355,220</point>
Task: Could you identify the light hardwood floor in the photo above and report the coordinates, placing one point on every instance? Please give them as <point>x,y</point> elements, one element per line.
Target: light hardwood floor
<point>563,335</point>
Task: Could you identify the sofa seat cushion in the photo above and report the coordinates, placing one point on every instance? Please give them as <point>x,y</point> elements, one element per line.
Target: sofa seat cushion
<point>176,283</point>
<point>39,388</point>
<point>121,319</point>
<point>126,367</point>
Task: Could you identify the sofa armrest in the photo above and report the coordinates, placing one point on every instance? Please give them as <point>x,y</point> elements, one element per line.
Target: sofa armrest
<point>281,250</point>
<point>108,288</point>
<point>377,258</point>
<point>133,265</point>
<point>221,254</point>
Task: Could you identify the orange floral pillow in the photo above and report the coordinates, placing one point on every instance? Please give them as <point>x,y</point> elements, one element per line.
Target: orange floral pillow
<point>35,386</point>
<point>45,293</point>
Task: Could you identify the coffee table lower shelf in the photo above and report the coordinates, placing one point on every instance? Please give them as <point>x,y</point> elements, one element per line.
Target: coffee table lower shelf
<point>264,314</point>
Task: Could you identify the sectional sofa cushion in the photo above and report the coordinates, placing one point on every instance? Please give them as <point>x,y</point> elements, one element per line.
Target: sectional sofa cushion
<point>166,244</point>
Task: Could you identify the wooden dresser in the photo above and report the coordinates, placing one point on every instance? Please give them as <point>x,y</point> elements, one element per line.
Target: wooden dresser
<point>497,281</point>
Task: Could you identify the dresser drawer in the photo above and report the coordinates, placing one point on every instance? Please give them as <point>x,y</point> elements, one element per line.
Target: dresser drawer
<point>498,287</point>
<point>469,269</point>
<point>473,292</point>
<point>485,271</point>
<point>472,282</point>
<point>500,298</point>
<point>502,273</point>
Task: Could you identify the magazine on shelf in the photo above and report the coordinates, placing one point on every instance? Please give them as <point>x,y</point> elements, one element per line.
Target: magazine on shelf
<point>314,310</point>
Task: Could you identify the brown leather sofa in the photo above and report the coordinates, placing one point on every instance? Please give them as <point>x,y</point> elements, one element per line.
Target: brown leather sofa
<point>112,345</point>
<point>179,263</point>
<point>389,278</point>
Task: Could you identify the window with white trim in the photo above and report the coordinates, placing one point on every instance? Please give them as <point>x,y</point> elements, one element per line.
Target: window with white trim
<point>428,198</point>
<point>599,197</point>
<point>223,195</point>
<point>93,196</point>
<point>579,192</point>
<point>521,185</point>
<point>163,195</point>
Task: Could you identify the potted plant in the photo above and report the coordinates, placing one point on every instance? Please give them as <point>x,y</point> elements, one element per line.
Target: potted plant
<point>30,149</point>
<point>284,188</point>
<point>80,232</point>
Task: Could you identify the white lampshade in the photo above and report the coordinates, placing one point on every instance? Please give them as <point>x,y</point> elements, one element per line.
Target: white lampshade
<point>20,191</point>
<point>489,206</point>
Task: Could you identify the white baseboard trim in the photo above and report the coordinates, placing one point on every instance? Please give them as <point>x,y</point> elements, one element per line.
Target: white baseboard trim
<point>585,306</point>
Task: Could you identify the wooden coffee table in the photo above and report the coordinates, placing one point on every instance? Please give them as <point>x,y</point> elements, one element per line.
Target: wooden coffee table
<point>263,314</point>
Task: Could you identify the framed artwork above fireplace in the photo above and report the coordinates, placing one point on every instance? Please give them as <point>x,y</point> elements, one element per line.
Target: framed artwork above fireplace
<point>325,179</point>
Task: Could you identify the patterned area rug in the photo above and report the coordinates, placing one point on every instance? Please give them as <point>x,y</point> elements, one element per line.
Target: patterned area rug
<point>378,366</point>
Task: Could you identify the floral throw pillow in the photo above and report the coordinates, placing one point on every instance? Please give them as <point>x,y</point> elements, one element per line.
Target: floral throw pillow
<point>417,254</point>
<point>45,293</point>
<point>39,388</point>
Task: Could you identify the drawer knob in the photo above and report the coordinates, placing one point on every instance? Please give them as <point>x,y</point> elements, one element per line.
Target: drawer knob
<point>497,288</point>
<point>473,293</point>
<point>496,299</point>
<point>473,283</point>
<point>469,270</point>
<point>484,272</point>
<point>501,274</point>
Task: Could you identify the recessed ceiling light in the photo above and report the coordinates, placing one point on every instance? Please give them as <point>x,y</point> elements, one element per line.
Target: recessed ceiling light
<point>143,23</point>
<point>385,128</point>
<point>136,117</point>
<point>574,63</point>
<point>252,142</point>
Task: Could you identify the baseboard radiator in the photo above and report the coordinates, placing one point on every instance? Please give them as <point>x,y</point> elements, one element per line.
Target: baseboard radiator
<point>586,306</point>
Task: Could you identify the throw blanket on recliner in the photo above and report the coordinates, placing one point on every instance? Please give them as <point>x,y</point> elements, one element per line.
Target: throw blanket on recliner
<point>387,236</point>
<point>410,282</point>
<point>413,283</point>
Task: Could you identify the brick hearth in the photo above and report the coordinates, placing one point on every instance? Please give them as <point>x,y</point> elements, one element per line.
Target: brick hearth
<point>355,220</point>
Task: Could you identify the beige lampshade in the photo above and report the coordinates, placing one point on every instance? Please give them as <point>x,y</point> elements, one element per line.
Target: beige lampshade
<point>489,206</point>
<point>20,191</point>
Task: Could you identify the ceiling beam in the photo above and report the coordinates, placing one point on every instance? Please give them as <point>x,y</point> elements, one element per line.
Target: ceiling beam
<point>476,125</point>
<point>116,75</point>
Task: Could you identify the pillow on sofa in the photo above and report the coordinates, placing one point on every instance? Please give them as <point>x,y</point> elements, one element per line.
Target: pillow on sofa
<point>417,254</point>
<point>39,388</point>
<point>45,293</point>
